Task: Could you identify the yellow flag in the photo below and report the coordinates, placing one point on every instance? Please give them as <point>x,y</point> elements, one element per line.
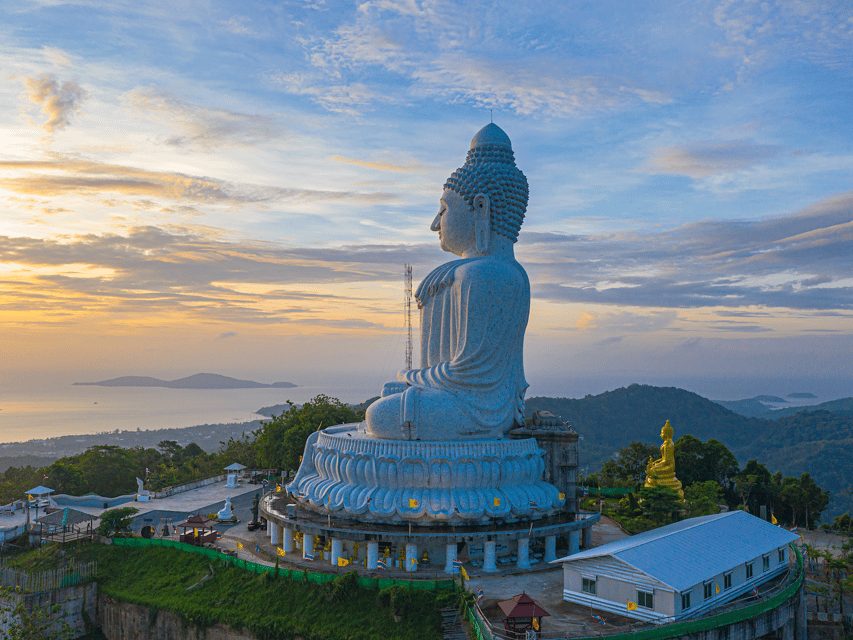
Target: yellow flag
<point>773,519</point>
<point>464,573</point>
<point>562,496</point>
<point>632,606</point>
<point>195,531</point>
<point>278,488</point>
<point>280,551</point>
<point>718,587</point>
<point>414,561</point>
<point>413,504</point>
<point>239,545</point>
<point>342,562</point>
<point>497,502</point>
<point>29,497</point>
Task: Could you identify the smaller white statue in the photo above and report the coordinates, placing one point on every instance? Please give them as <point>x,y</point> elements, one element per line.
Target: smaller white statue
<point>232,481</point>
<point>227,512</point>
<point>142,495</point>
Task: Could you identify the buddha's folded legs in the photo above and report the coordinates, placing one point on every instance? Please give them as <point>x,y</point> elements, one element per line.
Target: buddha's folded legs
<point>420,413</point>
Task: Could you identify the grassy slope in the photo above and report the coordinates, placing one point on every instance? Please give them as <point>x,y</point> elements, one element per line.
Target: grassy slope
<point>268,607</point>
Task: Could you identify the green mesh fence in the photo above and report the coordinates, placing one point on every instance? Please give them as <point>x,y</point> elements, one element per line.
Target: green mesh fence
<point>294,574</point>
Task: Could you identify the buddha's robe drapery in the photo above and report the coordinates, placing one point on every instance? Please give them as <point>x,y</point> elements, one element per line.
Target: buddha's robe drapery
<point>473,316</point>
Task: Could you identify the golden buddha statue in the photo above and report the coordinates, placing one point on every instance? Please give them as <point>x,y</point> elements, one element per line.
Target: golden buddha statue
<point>661,473</point>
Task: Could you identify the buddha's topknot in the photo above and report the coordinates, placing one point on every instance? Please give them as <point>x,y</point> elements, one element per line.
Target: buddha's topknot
<point>490,169</point>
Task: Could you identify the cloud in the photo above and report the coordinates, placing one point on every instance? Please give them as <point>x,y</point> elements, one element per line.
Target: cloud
<point>796,261</point>
<point>58,101</point>
<point>201,128</point>
<point>381,166</point>
<point>337,98</point>
<point>192,274</point>
<point>56,56</point>
<point>67,176</point>
<point>228,334</point>
<point>702,159</point>
<point>475,60</point>
<point>238,25</point>
<point>608,341</point>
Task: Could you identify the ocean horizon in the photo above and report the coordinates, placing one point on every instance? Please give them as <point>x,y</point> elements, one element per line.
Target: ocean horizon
<point>84,410</point>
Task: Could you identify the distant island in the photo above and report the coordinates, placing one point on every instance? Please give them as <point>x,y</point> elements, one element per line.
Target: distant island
<point>197,381</point>
<point>802,395</point>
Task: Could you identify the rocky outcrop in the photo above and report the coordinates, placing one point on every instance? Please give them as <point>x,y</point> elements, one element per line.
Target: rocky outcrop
<point>123,621</point>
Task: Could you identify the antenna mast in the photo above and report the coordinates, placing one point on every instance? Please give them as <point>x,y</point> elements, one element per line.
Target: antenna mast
<point>408,307</point>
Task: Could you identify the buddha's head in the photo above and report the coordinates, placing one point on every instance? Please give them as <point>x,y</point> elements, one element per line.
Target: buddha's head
<point>667,432</point>
<point>485,200</point>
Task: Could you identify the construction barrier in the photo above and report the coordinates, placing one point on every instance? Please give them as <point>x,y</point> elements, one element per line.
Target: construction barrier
<point>294,574</point>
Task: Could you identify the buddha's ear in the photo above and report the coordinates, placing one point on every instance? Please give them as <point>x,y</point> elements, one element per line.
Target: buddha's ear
<point>482,221</point>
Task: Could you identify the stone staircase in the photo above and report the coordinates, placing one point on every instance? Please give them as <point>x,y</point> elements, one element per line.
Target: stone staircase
<point>453,626</point>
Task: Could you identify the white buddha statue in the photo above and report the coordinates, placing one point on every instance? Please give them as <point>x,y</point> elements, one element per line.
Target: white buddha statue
<point>473,311</point>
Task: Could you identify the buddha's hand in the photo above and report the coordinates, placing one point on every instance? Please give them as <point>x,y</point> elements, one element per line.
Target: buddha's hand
<point>391,388</point>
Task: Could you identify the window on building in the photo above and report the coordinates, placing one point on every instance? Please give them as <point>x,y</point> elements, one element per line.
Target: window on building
<point>765,563</point>
<point>645,599</point>
<point>709,590</point>
<point>781,555</point>
<point>588,586</point>
<point>749,570</point>
<point>685,601</point>
<point>727,581</point>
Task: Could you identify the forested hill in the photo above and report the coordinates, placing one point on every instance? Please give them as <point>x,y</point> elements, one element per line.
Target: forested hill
<point>820,442</point>
<point>612,419</point>
<point>842,407</point>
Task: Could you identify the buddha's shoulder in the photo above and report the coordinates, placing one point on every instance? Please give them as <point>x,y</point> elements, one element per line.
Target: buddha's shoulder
<point>508,271</point>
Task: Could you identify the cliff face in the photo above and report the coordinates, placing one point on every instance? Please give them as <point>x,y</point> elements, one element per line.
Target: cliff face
<point>123,621</point>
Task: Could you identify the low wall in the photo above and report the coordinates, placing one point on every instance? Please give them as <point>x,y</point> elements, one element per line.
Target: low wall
<point>189,486</point>
<point>123,621</point>
<point>12,532</point>
<point>99,502</point>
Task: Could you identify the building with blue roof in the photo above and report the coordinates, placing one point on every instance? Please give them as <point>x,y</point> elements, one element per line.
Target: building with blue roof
<point>681,570</point>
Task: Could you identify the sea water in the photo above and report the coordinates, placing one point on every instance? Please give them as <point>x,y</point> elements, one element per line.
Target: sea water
<point>27,414</point>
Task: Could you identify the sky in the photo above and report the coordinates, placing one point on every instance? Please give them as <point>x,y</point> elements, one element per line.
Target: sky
<point>235,187</point>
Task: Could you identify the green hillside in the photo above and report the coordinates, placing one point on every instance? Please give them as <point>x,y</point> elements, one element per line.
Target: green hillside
<point>820,442</point>
<point>844,407</point>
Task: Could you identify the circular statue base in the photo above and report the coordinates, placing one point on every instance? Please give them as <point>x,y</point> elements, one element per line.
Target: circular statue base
<point>346,473</point>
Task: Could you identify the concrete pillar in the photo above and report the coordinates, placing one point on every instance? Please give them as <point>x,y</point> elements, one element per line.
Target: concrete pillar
<point>586,535</point>
<point>574,540</point>
<point>523,553</point>
<point>287,540</point>
<point>269,528</point>
<point>489,556</point>
<point>550,548</point>
<point>307,544</point>
<point>451,556</point>
<point>411,554</point>
<point>372,554</point>
<point>337,550</point>
<point>275,534</point>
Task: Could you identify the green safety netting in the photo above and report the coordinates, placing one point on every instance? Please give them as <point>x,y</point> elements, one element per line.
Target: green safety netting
<point>293,574</point>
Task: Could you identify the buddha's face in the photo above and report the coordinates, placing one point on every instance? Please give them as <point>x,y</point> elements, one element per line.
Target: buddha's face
<point>454,223</point>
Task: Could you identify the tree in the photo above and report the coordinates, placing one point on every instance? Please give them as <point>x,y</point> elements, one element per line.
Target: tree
<point>281,441</point>
<point>659,504</point>
<point>629,464</point>
<point>703,498</point>
<point>804,498</point>
<point>115,520</point>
